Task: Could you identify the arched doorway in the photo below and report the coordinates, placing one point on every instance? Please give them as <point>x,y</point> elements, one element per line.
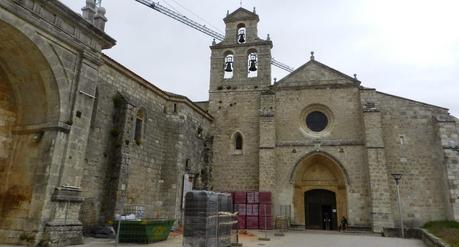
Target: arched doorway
<point>320,209</point>
<point>29,103</point>
<point>320,197</point>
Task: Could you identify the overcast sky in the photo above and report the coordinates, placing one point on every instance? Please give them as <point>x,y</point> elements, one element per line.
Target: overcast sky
<point>409,48</point>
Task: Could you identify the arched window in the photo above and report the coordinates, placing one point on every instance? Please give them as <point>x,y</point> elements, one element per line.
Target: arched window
<point>252,62</point>
<point>238,142</point>
<point>139,126</point>
<point>241,33</point>
<point>228,68</point>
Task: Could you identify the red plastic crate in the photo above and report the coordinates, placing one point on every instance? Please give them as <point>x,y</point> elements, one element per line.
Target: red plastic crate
<point>265,210</point>
<point>241,222</point>
<point>252,197</point>
<point>241,208</point>
<point>240,197</point>
<point>252,209</point>
<point>265,198</point>
<point>252,222</point>
<point>265,223</point>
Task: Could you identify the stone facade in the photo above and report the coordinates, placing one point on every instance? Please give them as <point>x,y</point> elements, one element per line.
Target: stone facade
<point>83,138</point>
<point>368,137</point>
<point>174,133</point>
<point>49,58</point>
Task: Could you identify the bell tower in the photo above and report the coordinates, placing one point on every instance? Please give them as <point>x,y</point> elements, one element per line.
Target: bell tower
<point>240,72</point>
<point>242,60</point>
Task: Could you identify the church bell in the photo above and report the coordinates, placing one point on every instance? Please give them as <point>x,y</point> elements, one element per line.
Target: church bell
<point>229,64</point>
<point>241,38</point>
<point>253,63</point>
<point>229,67</point>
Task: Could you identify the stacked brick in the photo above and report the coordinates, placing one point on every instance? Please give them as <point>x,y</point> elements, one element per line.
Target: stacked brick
<point>252,210</point>
<point>265,219</point>
<point>208,219</point>
<point>255,209</point>
<point>240,205</point>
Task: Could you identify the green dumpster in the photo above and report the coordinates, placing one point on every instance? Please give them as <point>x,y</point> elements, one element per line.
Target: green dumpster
<point>145,231</point>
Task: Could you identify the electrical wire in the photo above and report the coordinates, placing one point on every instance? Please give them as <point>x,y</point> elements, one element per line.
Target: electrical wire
<point>196,15</point>
<point>170,6</point>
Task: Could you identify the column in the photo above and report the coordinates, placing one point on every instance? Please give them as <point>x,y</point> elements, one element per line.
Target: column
<point>381,209</point>
<point>63,226</point>
<point>267,169</point>
<point>449,137</point>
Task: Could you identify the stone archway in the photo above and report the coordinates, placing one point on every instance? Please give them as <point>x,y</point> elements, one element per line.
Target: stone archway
<point>318,172</point>
<point>29,105</point>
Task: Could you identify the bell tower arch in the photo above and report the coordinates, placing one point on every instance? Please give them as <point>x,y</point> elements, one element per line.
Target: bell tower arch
<point>250,63</point>
<point>240,72</point>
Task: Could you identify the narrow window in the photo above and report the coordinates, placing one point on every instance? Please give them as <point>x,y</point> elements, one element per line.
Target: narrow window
<point>139,122</point>
<point>188,165</point>
<point>252,62</point>
<point>238,141</point>
<point>175,108</point>
<point>402,139</point>
<point>229,70</point>
<point>241,34</point>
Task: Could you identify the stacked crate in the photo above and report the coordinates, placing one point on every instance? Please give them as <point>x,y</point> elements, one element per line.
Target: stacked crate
<point>208,219</point>
<point>225,209</point>
<point>265,219</point>
<point>255,209</point>
<point>252,210</point>
<point>200,228</point>
<point>240,205</point>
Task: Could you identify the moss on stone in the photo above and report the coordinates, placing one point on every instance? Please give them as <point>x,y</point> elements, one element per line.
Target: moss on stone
<point>448,231</point>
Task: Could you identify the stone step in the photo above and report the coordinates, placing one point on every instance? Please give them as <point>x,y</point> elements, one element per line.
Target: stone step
<point>350,230</point>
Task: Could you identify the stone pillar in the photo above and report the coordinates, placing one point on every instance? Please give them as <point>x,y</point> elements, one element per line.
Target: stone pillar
<point>381,209</point>
<point>267,168</point>
<point>117,176</point>
<point>100,19</point>
<point>89,10</point>
<point>63,226</point>
<point>449,138</point>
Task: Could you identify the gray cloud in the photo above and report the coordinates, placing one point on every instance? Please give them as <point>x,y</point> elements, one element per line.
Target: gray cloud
<point>410,49</point>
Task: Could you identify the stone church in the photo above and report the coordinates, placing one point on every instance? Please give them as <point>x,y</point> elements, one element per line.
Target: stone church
<point>83,137</point>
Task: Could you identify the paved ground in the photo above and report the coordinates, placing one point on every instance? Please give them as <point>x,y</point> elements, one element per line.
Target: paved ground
<point>291,239</point>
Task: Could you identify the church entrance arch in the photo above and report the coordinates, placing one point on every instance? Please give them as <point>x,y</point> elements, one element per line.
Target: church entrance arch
<point>29,103</point>
<point>320,198</point>
<point>320,209</point>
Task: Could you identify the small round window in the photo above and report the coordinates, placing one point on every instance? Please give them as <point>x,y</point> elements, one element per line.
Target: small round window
<point>316,121</point>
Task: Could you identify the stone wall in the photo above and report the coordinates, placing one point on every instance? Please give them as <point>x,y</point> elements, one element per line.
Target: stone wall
<point>188,150</point>
<point>72,141</point>
<point>413,149</point>
<point>7,121</point>
<point>10,200</point>
<point>344,142</point>
<point>76,141</point>
<point>174,131</point>
<point>448,135</point>
<point>381,210</point>
<point>235,112</point>
<point>235,103</point>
